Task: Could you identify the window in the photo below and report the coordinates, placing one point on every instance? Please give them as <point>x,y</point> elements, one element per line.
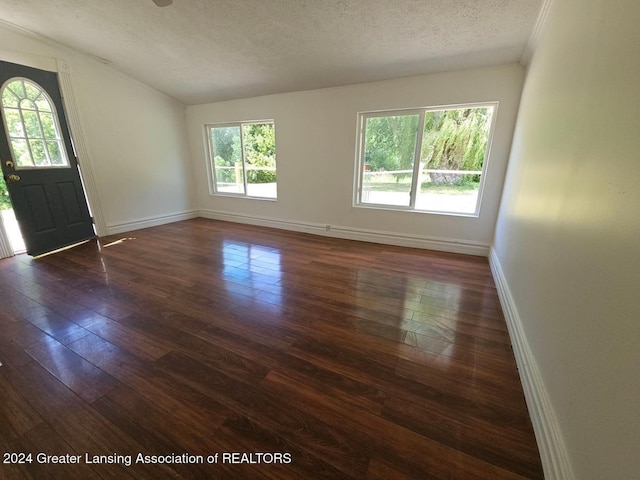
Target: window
<point>32,125</point>
<point>429,159</point>
<point>242,157</point>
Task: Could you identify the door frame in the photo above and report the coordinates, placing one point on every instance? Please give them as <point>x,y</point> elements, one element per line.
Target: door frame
<point>78,137</point>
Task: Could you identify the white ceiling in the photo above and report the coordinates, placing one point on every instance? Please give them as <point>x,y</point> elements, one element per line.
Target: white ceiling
<point>199,51</point>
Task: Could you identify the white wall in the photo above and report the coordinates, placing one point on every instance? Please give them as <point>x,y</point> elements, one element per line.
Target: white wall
<point>136,136</point>
<point>568,232</point>
<point>316,148</point>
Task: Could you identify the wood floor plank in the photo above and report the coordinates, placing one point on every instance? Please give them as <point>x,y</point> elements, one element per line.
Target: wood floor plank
<point>359,360</point>
<point>12,355</point>
<point>17,417</point>
<point>157,431</point>
<point>381,469</point>
<point>69,417</point>
<point>431,395</point>
<point>79,375</point>
<point>398,442</point>
<point>509,449</point>
<point>267,412</point>
<point>250,436</point>
<point>82,427</point>
<point>127,339</point>
<point>193,408</point>
<point>43,439</point>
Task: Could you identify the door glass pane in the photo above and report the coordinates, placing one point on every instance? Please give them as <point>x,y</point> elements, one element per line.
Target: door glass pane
<point>389,149</point>
<point>43,104</point>
<point>54,152</point>
<point>38,153</point>
<point>454,145</point>
<point>21,154</point>
<point>226,149</point>
<point>31,123</point>
<point>32,91</point>
<point>260,155</point>
<point>17,87</point>
<point>14,122</point>
<point>48,126</point>
<point>10,99</point>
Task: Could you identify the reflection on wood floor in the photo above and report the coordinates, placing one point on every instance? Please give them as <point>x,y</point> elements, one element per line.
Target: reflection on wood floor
<point>359,360</point>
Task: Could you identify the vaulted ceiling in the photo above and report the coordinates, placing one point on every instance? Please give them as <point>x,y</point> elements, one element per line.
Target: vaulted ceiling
<point>200,51</point>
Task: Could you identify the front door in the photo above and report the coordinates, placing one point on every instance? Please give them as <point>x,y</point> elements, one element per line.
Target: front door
<point>39,167</point>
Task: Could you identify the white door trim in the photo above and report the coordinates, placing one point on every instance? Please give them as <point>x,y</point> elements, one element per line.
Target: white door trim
<point>81,146</point>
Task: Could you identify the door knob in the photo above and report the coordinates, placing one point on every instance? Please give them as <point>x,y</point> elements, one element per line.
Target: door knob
<point>13,178</point>
<point>9,163</point>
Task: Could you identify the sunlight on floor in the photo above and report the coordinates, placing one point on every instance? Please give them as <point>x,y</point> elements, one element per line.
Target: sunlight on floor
<point>13,231</point>
<point>46,254</point>
<point>117,242</point>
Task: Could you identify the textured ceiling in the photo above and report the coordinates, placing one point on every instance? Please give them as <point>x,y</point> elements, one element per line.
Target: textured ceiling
<point>199,51</point>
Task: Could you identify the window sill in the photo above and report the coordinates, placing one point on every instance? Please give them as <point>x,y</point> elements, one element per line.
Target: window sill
<point>235,195</point>
<point>410,210</point>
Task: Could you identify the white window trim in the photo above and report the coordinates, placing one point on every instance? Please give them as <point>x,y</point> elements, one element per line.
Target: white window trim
<point>209,158</point>
<point>421,111</point>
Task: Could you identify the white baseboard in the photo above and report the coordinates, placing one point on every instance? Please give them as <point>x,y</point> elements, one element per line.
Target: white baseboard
<point>553,452</point>
<point>116,228</point>
<point>364,235</point>
<point>263,221</point>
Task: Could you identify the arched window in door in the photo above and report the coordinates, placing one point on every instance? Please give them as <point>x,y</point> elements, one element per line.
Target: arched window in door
<point>32,125</point>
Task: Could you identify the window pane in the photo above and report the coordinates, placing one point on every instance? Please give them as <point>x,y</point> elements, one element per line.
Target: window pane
<point>27,104</point>
<point>260,156</point>
<point>43,104</point>
<point>227,159</point>
<point>454,145</point>
<point>32,124</point>
<point>48,127</point>
<point>389,150</point>
<point>33,92</point>
<point>9,99</point>
<point>37,150</point>
<point>14,122</point>
<point>18,88</point>
<point>54,153</point>
<point>21,153</point>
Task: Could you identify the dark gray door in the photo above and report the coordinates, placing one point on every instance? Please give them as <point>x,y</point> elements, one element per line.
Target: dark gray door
<point>39,167</point>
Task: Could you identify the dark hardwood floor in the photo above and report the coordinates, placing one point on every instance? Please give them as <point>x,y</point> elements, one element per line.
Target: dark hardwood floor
<point>202,337</point>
